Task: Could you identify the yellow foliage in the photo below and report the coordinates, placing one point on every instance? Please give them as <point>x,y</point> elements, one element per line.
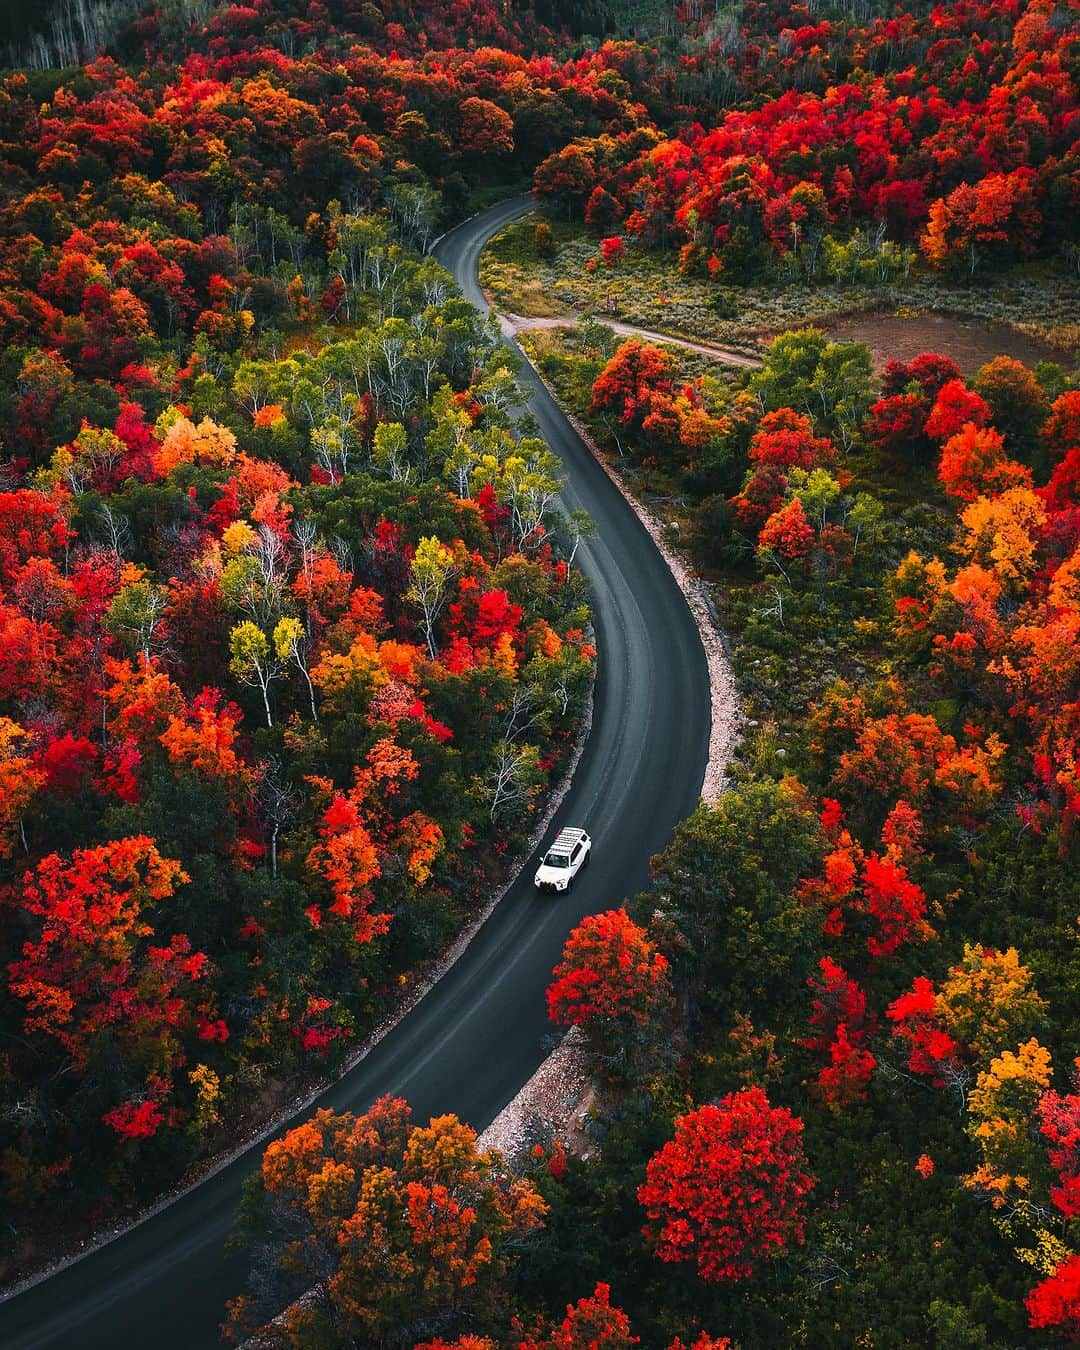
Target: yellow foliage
<point>357,672</point>
<point>237,537</point>
<point>503,656</point>
<point>185,443</point>
<point>987,1000</point>
<point>1002,533</point>
<point>20,782</point>
<point>1048,1253</point>
<point>1002,1104</point>
<point>207,1087</point>
<point>1012,1084</point>
<point>1065,586</point>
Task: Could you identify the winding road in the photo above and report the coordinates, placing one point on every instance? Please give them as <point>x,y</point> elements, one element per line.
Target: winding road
<point>479,1034</point>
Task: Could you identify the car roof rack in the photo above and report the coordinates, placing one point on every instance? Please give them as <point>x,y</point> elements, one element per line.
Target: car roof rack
<point>566,839</point>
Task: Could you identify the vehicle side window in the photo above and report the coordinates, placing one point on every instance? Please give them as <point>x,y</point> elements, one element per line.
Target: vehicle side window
<point>576,854</point>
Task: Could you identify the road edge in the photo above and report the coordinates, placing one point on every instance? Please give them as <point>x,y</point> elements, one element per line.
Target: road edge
<point>725,728</point>
<point>425,982</point>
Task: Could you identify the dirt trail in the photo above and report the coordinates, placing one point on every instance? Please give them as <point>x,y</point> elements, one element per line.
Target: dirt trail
<point>512,324</point>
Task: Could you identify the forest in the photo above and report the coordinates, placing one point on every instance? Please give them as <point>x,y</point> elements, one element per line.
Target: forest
<point>293,647</point>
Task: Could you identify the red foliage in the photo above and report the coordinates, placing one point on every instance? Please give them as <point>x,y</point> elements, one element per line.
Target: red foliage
<point>66,761</point>
<point>1061,430</point>
<point>839,1014</point>
<point>610,972</point>
<point>931,1050</point>
<point>1056,1301</point>
<point>786,439</point>
<point>974,464</point>
<point>632,380</point>
<point>1059,1121</point>
<point>895,425</point>
<point>729,1191</point>
<point>31,525</point>
<point>92,971</point>
<point>787,532</point>
<point>592,1323</point>
<point>135,1120</point>
<point>955,406</point>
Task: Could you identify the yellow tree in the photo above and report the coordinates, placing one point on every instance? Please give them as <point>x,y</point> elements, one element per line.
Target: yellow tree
<point>290,644</point>
<point>254,661</point>
<point>182,442</point>
<point>432,570</point>
<point>988,1001</point>
<point>1002,534</point>
<point>1000,1108</point>
<point>20,782</point>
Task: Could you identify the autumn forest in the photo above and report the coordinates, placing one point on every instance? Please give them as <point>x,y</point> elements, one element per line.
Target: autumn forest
<point>298,645</point>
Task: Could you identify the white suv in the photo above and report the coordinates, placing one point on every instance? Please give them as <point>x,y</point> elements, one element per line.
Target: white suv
<point>563,860</point>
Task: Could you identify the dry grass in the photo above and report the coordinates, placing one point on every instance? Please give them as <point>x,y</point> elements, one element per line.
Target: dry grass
<point>1027,313</point>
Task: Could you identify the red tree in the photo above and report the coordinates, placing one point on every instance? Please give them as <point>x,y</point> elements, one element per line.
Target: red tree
<point>1059,1121</point>
<point>632,380</point>
<point>954,406</point>
<point>590,1324</point>
<point>787,532</point>
<point>729,1191</point>
<point>786,438</point>
<point>974,463</point>
<point>92,969</point>
<point>612,982</point>
<point>931,1050</point>
<point>1056,1302</point>
<point>840,1022</point>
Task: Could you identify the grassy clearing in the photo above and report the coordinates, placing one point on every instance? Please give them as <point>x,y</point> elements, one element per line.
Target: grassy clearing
<point>1029,314</point>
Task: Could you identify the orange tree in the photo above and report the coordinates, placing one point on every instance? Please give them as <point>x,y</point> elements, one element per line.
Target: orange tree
<point>404,1230</point>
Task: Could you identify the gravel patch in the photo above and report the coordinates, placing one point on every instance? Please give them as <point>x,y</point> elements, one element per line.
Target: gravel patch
<point>547,1101</point>
<point>511,324</point>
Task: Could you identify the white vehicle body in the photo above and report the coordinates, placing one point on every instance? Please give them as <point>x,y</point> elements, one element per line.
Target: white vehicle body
<point>564,860</point>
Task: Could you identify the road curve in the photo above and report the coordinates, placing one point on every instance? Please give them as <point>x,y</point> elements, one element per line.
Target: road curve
<point>471,1043</point>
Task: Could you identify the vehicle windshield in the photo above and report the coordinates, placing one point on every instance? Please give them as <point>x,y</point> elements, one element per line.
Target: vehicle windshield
<point>556,860</point>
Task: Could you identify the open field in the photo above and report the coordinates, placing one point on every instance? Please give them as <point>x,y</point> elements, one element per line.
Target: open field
<point>1029,316</point>
<point>970,342</point>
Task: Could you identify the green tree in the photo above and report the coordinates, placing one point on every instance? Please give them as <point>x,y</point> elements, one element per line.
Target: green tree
<point>831,381</point>
<point>723,902</point>
<point>390,451</point>
<point>135,615</point>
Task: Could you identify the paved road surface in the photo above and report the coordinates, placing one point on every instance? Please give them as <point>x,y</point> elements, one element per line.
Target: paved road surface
<point>479,1034</point>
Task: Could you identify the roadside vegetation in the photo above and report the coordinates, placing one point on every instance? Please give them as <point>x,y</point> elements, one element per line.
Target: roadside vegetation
<point>289,647</point>
<point>851,932</point>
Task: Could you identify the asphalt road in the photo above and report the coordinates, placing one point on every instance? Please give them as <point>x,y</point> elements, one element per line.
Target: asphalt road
<point>479,1034</point>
